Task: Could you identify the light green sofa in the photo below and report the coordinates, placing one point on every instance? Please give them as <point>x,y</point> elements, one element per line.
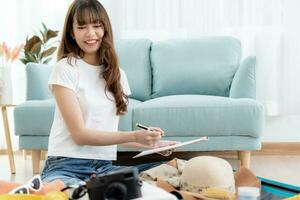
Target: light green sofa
<point>189,88</point>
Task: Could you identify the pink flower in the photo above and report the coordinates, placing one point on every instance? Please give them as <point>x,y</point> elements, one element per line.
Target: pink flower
<point>16,52</point>
<point>9,55</point>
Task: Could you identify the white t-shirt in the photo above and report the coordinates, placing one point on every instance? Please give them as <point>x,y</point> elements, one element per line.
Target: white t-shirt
<point>99,112</point>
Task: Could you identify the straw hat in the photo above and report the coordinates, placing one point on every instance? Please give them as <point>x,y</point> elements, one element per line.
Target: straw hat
<point>203,172</point>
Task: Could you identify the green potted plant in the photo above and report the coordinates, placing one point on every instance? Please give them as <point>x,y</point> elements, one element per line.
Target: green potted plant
<point>38,48</point>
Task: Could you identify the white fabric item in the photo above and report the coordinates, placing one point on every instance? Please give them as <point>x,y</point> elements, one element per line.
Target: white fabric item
<point>150,192</point>
<point>98,111</point>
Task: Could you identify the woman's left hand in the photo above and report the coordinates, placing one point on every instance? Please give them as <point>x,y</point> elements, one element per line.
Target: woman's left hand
<point>163,143</point>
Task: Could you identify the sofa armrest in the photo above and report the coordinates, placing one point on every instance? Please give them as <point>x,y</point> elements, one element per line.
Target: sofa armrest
<point>244,81</point>
<point>37,81</point>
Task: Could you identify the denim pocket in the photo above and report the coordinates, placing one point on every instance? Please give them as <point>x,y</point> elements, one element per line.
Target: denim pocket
<point>56,159</point>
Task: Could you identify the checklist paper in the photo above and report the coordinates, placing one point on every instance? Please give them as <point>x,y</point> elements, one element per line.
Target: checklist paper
<point>156,150</point>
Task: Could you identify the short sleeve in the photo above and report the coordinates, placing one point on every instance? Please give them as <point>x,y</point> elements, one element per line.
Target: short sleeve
<point>65,75</point>
<point>125,83</point>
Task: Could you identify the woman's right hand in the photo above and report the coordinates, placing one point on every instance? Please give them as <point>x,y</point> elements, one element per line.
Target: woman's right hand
<point>148,137</point>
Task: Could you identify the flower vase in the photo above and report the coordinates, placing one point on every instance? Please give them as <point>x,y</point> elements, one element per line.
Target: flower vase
<point>6,93</point>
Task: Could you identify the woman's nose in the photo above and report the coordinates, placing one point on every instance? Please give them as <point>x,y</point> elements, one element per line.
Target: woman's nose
<point>91,31</point>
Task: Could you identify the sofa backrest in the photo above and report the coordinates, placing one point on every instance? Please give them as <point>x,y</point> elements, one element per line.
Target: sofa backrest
<point>134,58</point>
<point>37,81</point>
<point>195,66</point>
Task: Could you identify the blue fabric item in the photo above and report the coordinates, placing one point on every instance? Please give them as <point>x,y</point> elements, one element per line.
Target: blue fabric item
<point>75,170</point>
<point>196,115</point>
<point>34,117</point>
<point>134,56</point>
<point>37,81</point>
<point>125,123</point>
<point>277,190</point>
<point>195,66</point>
<point>244,81</point>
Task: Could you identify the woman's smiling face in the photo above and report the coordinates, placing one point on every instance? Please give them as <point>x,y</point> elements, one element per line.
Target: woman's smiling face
<point>88,36</point>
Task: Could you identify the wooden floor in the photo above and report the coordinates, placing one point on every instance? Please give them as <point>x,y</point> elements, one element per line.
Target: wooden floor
<point>280,168</point>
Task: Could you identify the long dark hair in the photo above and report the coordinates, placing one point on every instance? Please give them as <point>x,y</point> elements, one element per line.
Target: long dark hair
<point>91,11</point>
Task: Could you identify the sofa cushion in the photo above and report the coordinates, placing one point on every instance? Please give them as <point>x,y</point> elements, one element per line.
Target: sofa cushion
<point>32,142</point>
<point>125,123</point>
<point>196,66</point>
<point>34,117</point>
<point>134,57</point>
<point>37,81</point>
<point>35,110</point>
<point>198,115</point>
<point>244,81</point>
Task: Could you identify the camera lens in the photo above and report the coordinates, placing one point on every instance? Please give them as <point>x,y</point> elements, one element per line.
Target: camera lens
<point>116,191</point>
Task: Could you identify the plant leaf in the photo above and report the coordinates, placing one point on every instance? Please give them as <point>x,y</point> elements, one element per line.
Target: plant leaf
<point>44,32</point>
<point>31,42</point>
<point>48,52</point>
<point>45,27</point>
<point>51,34</point>
<point>24,60</point>
<point>44,36</point>
<point>47,60</point>
<point>30,57</point>
<point>36,49</point>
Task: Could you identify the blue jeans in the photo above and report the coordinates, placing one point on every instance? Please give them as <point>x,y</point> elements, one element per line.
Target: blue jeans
<point>76,170</point>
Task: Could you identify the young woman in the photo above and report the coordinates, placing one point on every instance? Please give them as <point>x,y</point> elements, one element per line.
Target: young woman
<point>91,93</point>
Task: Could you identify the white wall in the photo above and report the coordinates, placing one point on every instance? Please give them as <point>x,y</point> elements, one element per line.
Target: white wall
<point>282,129</point>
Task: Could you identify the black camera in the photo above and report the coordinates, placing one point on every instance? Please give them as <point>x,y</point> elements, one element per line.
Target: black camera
<point>121,184</point>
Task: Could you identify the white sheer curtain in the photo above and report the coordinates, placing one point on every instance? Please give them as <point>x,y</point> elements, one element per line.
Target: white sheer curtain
<point>266,28</point>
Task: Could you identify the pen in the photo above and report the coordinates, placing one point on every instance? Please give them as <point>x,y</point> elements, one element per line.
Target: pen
<point>145,128</point>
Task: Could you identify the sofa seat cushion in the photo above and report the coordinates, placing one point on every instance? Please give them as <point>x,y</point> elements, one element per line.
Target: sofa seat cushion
<point>34,117</point>
<point>125,123</point>
<point>33,142</point>
<point>201,115</point>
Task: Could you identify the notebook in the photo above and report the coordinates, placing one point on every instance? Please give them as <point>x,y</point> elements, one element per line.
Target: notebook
<point>175,146</point>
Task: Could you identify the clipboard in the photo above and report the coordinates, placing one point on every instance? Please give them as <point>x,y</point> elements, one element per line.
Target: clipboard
<point>151,151</point>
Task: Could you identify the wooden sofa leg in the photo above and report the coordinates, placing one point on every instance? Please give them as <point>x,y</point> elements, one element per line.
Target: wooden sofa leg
<point>24,154</point>
<point>244,157</point>
<point>43,155</point>
<point>36,157</point>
